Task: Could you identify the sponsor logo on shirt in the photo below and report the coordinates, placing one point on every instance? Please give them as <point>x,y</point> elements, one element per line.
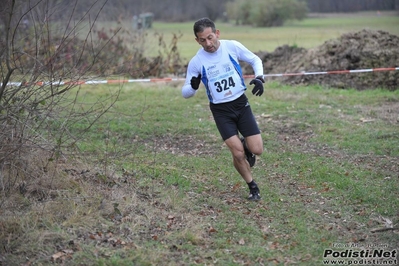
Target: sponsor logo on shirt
<point>227,94</point>
<point>210,67</point>
<point>212,74</point>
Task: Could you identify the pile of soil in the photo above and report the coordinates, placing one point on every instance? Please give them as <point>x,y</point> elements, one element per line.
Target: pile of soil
<point>366,49</point>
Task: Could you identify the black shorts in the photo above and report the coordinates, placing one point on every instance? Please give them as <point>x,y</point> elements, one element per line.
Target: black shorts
<point>234,117</point>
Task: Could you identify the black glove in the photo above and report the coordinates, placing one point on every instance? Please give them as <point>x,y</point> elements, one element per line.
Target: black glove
<point>258,88</point>
<point>195,82</point>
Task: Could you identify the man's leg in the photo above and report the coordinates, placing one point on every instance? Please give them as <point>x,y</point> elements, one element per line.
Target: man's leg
<point>239,159</point>
<point>241,164</point>
<point>255,144</point>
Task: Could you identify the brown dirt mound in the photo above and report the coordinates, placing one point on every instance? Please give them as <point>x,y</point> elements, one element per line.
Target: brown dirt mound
<point>365,49</point>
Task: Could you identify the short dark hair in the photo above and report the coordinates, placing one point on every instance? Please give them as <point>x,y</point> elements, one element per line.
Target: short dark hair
<point>203,23</point>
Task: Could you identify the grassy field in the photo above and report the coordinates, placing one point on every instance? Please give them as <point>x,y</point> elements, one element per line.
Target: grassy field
<point>163,190</point>
<point>153,183</point>
<point>308,33</point>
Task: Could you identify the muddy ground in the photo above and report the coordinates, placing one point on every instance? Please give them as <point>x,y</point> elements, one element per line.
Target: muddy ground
<point>366,49</point>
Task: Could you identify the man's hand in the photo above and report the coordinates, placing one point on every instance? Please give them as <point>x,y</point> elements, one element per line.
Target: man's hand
<point>195,82</point>
<point>258,88</point>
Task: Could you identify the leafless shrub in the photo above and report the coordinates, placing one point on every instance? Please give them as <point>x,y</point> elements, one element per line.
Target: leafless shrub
<point>49,58</point>
<point>35,116</point>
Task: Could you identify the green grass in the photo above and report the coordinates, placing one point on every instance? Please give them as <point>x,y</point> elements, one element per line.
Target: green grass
<point>321,174</point>
<point>308,33</point>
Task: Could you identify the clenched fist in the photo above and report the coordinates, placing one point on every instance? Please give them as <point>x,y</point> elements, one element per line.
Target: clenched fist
<point>195,82</point>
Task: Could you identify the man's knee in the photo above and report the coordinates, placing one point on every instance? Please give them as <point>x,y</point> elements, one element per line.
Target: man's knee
<point>255,144</point>
<point>257,150</point>
<point>238,155</point>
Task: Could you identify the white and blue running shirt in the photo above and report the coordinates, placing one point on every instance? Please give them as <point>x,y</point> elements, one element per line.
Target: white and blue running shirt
<point>220,71</point>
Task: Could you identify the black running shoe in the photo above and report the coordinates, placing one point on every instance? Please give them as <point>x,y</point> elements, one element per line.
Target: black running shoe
<point>254,195</point>
<point>251,158</point>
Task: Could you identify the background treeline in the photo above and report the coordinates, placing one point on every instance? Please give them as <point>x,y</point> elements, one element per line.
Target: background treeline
<point>184,10</point>
<point>325,6</point>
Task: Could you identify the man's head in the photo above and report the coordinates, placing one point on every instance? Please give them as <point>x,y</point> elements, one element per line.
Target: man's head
<point>206,34</point>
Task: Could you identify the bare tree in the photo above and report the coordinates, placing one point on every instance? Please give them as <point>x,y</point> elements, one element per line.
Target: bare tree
<point>37,109</point>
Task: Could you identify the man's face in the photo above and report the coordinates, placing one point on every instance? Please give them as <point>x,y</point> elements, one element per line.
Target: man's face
<point>208,40</point>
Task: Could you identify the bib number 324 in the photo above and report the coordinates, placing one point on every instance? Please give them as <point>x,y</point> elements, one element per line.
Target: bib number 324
<point>224,84</point>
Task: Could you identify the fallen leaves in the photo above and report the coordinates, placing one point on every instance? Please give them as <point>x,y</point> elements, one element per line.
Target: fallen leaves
<point>212,230</point>
<point>107,238</point>
<point>236,186</point>
<point>387,225</point>
<point>61,256</point>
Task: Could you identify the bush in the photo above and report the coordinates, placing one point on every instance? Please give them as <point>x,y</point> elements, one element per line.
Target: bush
<point>42,55</point>
<point>266,13</point>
